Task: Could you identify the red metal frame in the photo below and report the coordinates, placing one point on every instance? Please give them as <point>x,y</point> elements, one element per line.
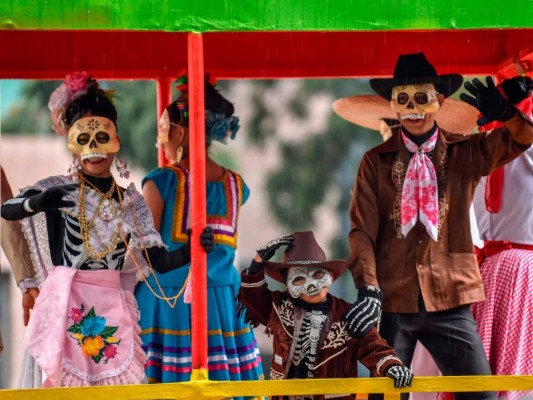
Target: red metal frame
<point>198,194</point>
<point>241,55</point>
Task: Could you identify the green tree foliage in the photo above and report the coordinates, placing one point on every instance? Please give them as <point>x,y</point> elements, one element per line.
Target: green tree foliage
<point>324,161</point>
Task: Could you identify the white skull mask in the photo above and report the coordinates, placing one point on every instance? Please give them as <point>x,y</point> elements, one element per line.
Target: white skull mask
<point>307,280</point>
<point>414,101</point>
<point>93,137</point>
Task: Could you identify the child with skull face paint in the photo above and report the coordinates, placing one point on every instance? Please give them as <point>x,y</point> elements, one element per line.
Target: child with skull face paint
<point>91,241</point>
<point>311,339</point>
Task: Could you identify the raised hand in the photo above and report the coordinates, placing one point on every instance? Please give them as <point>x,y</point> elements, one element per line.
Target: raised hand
<point>365,312</point>
<point>401,375</point>
<point>518,88</point>
<point>267,251</point>
<point>488,100</point>
<point>52,198</point>
<point>28,301</point>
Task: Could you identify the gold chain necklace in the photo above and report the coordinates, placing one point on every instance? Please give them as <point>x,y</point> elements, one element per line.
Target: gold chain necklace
<point>85,226</point>
<point>106,210</point>
<point>171,301</point>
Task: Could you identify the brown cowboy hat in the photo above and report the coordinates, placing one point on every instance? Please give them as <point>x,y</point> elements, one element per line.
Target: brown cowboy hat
<point>412,69</point>
<point>454,116</point>
<point>303,251</point>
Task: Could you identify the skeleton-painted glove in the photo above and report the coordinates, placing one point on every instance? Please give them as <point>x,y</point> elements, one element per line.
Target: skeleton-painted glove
<point>267,251</point>
<point>401,375</point>
<point>365,312</point>
<point>489,101</point>
<point>518,88</point>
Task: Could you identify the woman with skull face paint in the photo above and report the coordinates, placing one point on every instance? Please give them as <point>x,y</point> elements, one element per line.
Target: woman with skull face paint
<point>90,241</point>
<point>232,349</point>
<point>310,333</point>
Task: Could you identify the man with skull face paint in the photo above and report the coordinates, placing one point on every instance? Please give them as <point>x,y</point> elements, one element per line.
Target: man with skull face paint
<point>310,333</point>
<point>411,250</point>
<point>91,241</point>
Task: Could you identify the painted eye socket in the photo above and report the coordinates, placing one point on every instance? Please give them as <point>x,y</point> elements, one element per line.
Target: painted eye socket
<point>402,98</point>
<point>298,281</point>
<point>102,137</point>
<point>421,98</point>
<point>83,138</point>
<point>318,275</point>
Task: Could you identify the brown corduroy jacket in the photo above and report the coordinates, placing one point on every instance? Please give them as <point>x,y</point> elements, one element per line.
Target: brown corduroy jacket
<point>445,272</point>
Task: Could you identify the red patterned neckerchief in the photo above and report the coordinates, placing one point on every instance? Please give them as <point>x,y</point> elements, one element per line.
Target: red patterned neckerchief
<point>419,193</point>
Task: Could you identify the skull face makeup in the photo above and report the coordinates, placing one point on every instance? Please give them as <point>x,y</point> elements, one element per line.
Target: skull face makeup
<point>414,101</point>
<point>93,137</point>
<point>307,280</point>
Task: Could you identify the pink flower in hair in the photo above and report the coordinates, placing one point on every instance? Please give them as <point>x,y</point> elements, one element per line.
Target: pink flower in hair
<point>77,81</point>
<point>75,85</point>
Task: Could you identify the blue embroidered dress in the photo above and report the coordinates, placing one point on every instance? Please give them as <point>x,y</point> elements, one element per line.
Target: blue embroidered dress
<point>232,349</point>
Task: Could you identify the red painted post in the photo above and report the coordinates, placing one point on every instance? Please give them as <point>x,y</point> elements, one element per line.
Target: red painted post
<point>198,204</point>
<point>164,97</point>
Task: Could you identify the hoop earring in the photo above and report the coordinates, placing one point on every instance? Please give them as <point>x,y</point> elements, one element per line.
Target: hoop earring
<point>122,167</point>
<point>74,166</point>
<point>179,154</point>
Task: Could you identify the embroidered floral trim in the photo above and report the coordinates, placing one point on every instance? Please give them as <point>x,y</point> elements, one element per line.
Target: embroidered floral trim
<point>337,336</point>
<point>442,175</point>
<point>274,375</point>
<point>398,176</point>
<point>285,313</point>
<point>93,336</point>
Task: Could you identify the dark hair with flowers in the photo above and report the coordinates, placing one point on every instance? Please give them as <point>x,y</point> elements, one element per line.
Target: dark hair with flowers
<point>219,118</point>
<point>77,96</point>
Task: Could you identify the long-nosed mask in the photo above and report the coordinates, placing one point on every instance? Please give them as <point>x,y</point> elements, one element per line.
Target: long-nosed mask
<point>93,137</point>
<point>414,101</point>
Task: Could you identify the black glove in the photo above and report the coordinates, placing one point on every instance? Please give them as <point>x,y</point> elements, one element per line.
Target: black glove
<point>365,312</point>
<point>268,250</point>
<point>489,101</point>
<point>164,261</point>
<point>52,198</point>
<point>517,88</point>
<point>401,375</point>
<point>207,240</point>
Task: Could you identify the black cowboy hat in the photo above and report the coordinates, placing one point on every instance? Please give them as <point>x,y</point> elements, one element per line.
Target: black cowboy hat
<point>303,251</point>
<point>412,69</point>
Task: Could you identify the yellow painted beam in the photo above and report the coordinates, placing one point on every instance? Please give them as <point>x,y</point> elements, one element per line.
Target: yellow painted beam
<point>206,389</point>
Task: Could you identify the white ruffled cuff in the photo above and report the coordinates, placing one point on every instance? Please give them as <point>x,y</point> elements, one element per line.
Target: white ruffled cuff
<point>26,284</point>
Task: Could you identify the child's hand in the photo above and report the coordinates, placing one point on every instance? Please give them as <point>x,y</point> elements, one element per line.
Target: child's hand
<point>267,251</point>
<point>401,375</point>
